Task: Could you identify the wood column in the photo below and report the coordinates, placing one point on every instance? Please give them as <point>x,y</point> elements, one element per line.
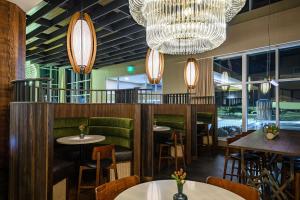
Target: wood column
<point>12,66</point>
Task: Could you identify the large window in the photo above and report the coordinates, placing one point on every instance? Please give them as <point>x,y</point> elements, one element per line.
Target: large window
<point>265,102</point>
<point>51,73</point>
<point>228,94</point>
<point>78,87</point>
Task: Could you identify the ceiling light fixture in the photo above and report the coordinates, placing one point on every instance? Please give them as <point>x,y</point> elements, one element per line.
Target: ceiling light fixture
<point>81,43</point>
<point>191,73</point>
<point>154,66</point>
<point>184,27</point>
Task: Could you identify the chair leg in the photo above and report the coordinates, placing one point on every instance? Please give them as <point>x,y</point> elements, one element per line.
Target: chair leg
<point>176,157</point>
<point>159,159</point>
<point>232,169</point>
<point>183,156</point>
<point>116,172</point>
<point>79,182</point>
<point>297,186</point>
<point>239,171</point>
<point>225,167</point>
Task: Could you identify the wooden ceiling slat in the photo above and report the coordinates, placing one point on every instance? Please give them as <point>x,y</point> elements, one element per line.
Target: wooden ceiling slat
<point>47,8</point>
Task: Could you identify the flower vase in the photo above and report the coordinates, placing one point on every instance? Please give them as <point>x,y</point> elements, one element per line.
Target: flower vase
<point>81,136</point>
<point>180,195</point>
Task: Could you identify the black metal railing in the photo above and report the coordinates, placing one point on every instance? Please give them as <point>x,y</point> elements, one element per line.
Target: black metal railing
<point>39,90</point>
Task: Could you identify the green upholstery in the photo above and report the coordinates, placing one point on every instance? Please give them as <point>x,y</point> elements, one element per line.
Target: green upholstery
<point>173,121</point>
<point>205,117</point>
<point>67,126</point>
<point>111,122</point>
<point>118,131</point>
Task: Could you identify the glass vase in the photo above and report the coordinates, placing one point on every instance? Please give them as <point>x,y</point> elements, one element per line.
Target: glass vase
<point>180,195</point>
<point>81,136</point>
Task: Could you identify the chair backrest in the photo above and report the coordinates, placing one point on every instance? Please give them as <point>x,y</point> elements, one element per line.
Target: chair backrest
<point>106,152</point>
<point>109,191</point>
<point>247,192</point>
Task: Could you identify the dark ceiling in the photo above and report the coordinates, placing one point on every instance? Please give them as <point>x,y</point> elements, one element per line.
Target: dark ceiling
<point>119,37</point>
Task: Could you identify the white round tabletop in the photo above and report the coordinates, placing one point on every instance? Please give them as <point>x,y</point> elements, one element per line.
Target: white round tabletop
<point>73,140</point>
<point>161,128</point>
<point>165,189</point>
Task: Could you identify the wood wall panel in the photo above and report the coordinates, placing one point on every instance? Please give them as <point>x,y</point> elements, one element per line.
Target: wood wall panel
<point>12,61</point>
<point>31,151</point>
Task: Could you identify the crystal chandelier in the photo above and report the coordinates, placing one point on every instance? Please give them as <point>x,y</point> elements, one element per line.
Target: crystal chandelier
<point>184,26</point>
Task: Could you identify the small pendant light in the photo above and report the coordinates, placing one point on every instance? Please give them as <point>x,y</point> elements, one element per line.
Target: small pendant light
<point>191,73</point>
<point>154,66</point>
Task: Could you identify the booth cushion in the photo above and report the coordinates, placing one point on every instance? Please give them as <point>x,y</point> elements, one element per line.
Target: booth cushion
<point>62,169</point>
<point>111,122</point>
<point>67,126</point>
<point>173,121</point>
<point>205,117</point>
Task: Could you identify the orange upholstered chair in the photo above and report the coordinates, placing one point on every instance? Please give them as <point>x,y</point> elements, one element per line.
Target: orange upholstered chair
<point>109,191</point>
<point>247,192</point>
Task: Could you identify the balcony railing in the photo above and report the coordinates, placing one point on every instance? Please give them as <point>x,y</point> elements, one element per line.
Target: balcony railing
<point>39,90</point>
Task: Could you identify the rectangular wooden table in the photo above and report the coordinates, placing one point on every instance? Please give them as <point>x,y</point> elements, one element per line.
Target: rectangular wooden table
<point>287,143</point>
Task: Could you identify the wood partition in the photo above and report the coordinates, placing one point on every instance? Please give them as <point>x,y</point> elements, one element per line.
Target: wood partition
<point>31,142</point>
<point>211,108</point>
<point>12,66</point>
<point>148,112</point>
<point>190,114</point>
<point>31,151</point>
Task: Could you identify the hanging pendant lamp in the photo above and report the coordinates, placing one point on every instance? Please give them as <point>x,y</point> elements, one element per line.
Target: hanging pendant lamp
<point>265,87</point>
<point>191,73</point>
<point>81,43</point>
<point>154,66</point>
<point>225,80</point>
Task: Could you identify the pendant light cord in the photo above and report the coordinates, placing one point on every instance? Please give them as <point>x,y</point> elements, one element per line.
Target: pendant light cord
<point>269,41</point>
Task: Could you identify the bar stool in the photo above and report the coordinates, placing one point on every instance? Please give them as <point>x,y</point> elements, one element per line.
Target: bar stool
<point>103,158</point>
<point>251,160</point>
<point>172,146</point>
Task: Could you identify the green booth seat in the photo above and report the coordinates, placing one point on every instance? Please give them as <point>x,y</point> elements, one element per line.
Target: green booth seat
<point>205,117</point>
<point>173,121</point>
<point>117,131</point>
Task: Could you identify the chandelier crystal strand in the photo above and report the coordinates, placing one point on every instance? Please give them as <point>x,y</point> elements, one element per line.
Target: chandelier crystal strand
<point>184,26</point>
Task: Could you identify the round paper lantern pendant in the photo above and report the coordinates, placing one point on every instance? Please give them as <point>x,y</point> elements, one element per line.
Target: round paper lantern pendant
<point>81,43</point>
<point>154,66</point>
<point>191,73</point>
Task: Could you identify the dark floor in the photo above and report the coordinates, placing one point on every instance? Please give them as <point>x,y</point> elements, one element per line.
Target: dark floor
<point>208,164</point>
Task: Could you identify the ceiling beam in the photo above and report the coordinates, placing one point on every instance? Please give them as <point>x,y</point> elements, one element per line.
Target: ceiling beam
<point>51,5</point>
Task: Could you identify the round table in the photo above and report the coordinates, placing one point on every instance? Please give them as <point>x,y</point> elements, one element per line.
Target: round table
<point>165,189</point>
<point>161,128</point>
<point>75,140</point>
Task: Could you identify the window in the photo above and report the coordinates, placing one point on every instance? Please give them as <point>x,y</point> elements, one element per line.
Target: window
<point>51,73</point>
<point>289,93</point>
<point>261,105</point>
<point>228,95</point>
<point>289,63</point>
<point>78,87</point>
<point>258,66</point>
<point>266,103</point>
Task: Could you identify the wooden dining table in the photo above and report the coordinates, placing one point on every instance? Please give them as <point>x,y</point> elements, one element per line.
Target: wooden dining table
<point>287,143</point>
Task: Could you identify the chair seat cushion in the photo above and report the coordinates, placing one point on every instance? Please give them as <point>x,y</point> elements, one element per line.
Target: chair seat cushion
<point>62,169</point>
<point>123,154</point>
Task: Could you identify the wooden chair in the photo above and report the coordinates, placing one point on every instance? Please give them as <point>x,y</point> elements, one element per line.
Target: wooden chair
<point>168,145</point>
<point>109,191</point>
<point>247,192</point>
<point>105,159</point>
